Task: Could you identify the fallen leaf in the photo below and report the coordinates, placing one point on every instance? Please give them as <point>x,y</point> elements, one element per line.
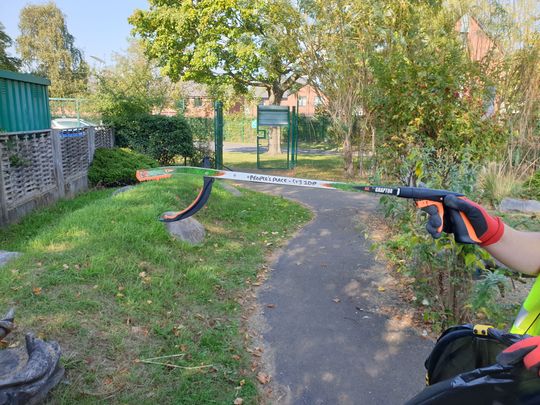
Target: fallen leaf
<point>242,383</point>
<point>381,289</point>
<point>263,378</point>
<point>65,266</point>
<point>270,305</point>
<point>36,290</point>
<point>139,330</point>
<point>238,401</point>
<point>235,357</point>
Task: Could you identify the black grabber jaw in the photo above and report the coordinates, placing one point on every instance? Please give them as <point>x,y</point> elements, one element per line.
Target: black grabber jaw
<point>195,206</point>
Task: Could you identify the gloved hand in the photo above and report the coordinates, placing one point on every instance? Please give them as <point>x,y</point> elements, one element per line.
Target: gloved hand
<point>468,221</point>
<point>526,350</point>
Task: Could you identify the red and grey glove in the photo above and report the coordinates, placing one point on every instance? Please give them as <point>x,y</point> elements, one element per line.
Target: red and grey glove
<point>468,221</point>
<point>526,350</point>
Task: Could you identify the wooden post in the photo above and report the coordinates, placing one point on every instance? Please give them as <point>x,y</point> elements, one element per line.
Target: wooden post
<point>91,134</point>
<point>57,157</point>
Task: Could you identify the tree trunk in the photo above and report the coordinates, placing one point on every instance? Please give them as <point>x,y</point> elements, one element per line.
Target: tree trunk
<point>348,153</point>
<point>362,149</point>
<point>275,94</point>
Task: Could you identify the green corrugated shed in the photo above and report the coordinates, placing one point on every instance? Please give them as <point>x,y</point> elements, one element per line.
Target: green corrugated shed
<point>24,102</point>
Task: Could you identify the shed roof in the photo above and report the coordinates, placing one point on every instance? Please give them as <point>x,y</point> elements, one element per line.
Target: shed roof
<point>24,77</point>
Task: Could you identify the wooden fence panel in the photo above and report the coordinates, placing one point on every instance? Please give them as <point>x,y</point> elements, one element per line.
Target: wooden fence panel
<point>38,167</point>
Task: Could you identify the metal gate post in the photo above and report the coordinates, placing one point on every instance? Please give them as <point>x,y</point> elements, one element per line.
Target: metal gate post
<point>289,138</point>
<point>218,134</point>
<point>294,136</point>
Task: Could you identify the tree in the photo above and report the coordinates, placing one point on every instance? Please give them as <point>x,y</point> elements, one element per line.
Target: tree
<point>429,95</point>
<point>7,62</point>
<point>47,49</point>
<point>132,86</point>
<point>239,42</point>
<point>338,42</point>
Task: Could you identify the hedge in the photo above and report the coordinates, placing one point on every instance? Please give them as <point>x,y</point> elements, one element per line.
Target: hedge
<point>117,167</point>
<point>160,137</point>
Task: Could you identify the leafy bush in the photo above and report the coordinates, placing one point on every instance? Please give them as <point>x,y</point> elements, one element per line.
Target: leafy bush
<point>441,271</point>
<point>163,138</point>
<point>117,167</point>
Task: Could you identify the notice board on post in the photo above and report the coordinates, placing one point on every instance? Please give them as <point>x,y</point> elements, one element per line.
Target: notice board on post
<point>272,116</point>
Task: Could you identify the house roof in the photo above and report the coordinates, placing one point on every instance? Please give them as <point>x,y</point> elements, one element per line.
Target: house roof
<point>192,89</point>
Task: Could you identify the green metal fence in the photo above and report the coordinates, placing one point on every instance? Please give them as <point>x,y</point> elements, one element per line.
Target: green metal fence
<point>24,102</point>
<point>313,129</point>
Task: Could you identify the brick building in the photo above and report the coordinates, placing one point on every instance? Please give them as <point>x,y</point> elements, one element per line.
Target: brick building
<point>478,42</point>
<point>306,98</point>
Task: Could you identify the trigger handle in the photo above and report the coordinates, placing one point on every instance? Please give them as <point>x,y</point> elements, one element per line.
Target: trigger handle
<point>422,204</point>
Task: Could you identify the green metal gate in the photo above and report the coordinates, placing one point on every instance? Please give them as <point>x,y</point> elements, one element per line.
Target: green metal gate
<point>218,134</point>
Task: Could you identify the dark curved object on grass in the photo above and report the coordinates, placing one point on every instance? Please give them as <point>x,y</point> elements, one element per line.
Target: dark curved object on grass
<point>28,374</point>
<point>195,206</point>
<point>6,323</point>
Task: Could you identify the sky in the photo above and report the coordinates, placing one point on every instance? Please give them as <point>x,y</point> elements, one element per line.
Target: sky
<point>100,27</point>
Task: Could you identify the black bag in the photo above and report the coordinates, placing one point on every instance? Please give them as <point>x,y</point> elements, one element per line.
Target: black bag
<point>463,369</point>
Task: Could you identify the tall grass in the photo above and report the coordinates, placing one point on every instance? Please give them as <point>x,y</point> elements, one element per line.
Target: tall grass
<point>498,181</point>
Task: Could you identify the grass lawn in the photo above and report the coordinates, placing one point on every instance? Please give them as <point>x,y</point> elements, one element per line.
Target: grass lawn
<point>324,167</point>
<point>101,276</point>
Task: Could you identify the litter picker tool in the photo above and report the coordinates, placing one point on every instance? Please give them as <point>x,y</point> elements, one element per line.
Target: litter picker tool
<point>424,197</point>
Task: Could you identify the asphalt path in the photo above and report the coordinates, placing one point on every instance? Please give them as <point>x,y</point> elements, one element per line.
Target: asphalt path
<point>248,148</point>
<point>327,341</point>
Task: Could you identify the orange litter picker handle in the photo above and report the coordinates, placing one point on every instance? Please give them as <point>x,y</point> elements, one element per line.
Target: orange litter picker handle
<point>463,230</point>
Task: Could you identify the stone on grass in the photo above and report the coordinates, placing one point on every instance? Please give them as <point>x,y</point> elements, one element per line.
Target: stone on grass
<point>232,190</point>
<point>122,190</point>
<point>6,256</point>
<point>188,230</point>
<point>513,204</point>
